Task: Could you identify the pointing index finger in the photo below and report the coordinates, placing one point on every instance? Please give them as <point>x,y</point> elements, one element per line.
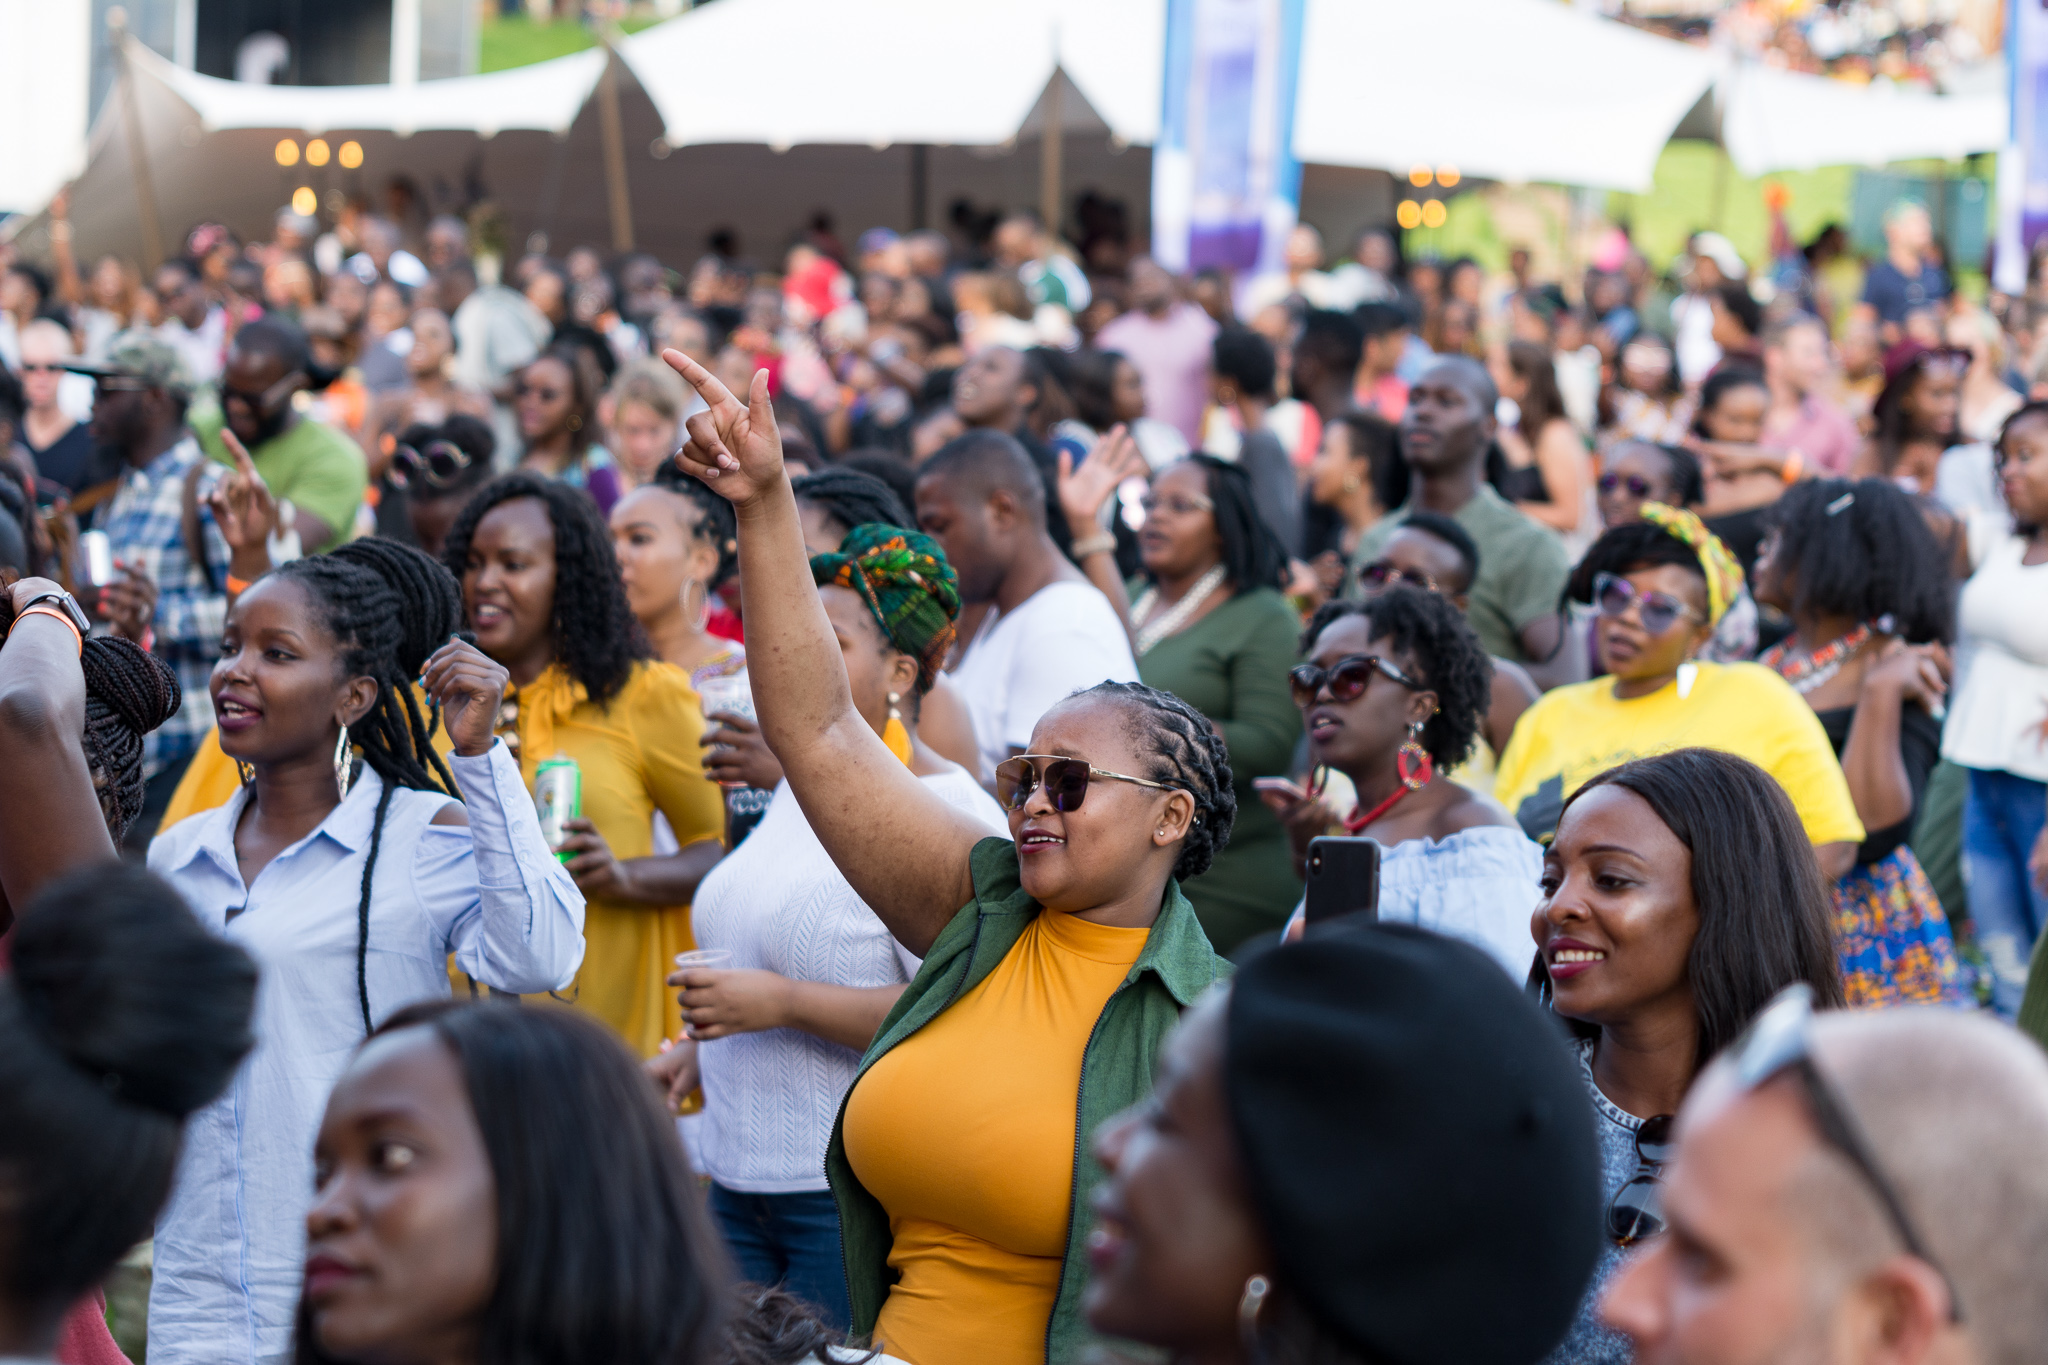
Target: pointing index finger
<point>707,384</point>
<point>243,463</point>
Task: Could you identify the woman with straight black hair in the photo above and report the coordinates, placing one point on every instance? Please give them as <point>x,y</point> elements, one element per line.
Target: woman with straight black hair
<point>495,1185</point>
<point>1679,896</point>
<point>1866,586</point>
<point>1213,629</point>
<point>351,883</point>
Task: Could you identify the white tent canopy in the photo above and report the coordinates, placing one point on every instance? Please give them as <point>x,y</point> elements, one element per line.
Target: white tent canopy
<point>1508,89</point>
<point>545,97</point>
<point>1784,121</point>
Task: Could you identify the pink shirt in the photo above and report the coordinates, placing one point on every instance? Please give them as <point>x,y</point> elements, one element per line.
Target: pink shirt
<point>1822,433</point>
<point>1172,355</point>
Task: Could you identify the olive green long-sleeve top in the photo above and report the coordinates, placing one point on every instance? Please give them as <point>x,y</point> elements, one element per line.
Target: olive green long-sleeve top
<point>1231,665</point>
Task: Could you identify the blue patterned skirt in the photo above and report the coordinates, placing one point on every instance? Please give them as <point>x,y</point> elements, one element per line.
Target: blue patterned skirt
<point>1893,938</point>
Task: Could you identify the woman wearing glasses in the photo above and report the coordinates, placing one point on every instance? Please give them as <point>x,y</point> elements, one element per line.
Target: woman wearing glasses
<point>1054,962</point>
<point>777,1037</point>
<point>556,403</point>
<point>1393,692</point>
<point>1212,628</point>
<point>1677,899</point>
<point>1661,586</point>
<point>1866,587</point>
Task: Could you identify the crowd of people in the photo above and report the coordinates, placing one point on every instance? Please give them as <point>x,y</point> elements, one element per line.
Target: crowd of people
<point>767,814</point>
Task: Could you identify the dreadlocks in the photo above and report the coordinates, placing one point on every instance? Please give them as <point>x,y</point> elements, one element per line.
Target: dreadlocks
<point>389,607</point>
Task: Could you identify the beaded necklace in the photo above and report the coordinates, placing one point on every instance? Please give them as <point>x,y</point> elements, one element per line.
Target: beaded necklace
<point>1806,674</point>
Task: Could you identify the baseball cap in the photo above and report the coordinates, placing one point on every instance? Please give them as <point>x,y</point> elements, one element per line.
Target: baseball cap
<point>1722,253</point>
<point>135,354</point>
<point>1419,1145</point>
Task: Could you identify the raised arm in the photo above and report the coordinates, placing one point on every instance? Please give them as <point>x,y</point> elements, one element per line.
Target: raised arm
<point>903,849</point>
<point>49,811</point>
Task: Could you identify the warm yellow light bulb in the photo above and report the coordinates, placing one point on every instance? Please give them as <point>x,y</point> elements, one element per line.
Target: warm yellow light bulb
<point>1447,176</point>
<point>316,152</point>
<point>304,201</point>
<point>1433,214</point>
<point>350,155</point>
<point>1420,176</point>
<point>1408,214</point>
<point>287,152</point>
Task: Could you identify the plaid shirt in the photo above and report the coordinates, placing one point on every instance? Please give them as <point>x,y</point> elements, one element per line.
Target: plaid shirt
<point>144,520</point>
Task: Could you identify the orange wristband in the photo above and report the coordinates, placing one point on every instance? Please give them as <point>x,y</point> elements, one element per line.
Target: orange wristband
<point>40,610</point>
<point>237,586</point>
<point>1794,466</point>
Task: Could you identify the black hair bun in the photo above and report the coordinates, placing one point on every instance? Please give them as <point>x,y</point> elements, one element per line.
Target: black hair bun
<point>133,683</point>
<point>116,974</point>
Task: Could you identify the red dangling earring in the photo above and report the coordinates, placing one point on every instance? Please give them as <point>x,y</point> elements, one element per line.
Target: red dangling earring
<point>1413,762</point>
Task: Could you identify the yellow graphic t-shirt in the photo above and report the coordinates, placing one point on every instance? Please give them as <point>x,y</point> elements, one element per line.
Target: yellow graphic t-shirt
<point>1575,732</point>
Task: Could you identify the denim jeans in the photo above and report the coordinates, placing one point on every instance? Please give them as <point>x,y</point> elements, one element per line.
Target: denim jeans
<point>2002,817</point>
<point>790,1240</point>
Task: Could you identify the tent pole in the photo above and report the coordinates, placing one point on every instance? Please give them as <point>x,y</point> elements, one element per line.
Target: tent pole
<point>920,186</point>
<point>615,153</point>
<point>1051,147</point>
<point>138,160</point>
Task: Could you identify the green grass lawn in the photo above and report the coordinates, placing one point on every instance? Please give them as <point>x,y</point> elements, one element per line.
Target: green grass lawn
<point>516,40</point>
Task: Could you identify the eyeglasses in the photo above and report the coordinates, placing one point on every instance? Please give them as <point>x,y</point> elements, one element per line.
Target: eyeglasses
<point>440,463</point>
<point>268,398</point>
<point>545,395</point>
<point>1065,781</point>
<point>38,367</point>
<point>1382,573</point>
<point>1657,611</point>
<point>1636,1212</point>
<point>1346,678</point>
<point>1180,504</point>
<point>120,383</point>
<point>1780,1039</point>
<point>1636,484</point>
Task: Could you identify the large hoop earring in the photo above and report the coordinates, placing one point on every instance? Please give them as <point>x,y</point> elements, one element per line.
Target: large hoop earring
<point>1413,763</point>
<point>344,767</point>
<point>1256,1291</point>
<point>700,614</point>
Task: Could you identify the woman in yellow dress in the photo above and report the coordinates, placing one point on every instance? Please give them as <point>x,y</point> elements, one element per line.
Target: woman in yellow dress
<point>541,590</point>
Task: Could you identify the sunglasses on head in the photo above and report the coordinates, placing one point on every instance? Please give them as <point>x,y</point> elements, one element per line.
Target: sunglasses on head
<point>1346,679</point>
<point>1658,611</point>
<point>439,463</point>
<point>1780,1041</point>
<point>1065,781</point>
<point>1382,573</point>
<point>1636,484</point>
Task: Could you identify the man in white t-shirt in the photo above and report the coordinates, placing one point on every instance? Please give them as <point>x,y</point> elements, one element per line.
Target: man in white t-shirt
<point>1049,632</point>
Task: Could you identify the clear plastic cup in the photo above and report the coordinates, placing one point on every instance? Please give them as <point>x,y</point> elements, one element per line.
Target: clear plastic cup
<point>703,957</point>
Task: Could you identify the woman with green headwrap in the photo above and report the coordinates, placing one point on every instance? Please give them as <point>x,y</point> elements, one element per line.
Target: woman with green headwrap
<point>1661,585</point>
<point>777,1032</point>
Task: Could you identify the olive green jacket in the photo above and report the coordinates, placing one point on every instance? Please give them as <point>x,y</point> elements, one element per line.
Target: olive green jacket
<point>1176,966</point>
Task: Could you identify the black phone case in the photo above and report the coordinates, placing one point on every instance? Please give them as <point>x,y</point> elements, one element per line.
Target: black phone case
<point>1343,879</point>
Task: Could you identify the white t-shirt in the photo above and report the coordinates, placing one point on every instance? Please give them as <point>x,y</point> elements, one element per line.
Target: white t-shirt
<point>778,904</point>
<point>1061,639</point>
<point>2000,699</point>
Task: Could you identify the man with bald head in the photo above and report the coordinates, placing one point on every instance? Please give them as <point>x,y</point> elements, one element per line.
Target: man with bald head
<point>1781,1248</point>
<point>1048,631</point>
<point>1446,432</point>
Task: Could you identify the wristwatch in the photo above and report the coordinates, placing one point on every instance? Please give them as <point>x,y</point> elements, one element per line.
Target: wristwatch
<point>65,603</point>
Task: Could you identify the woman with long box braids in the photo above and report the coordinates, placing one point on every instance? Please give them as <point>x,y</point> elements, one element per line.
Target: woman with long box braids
<point>350,880</point>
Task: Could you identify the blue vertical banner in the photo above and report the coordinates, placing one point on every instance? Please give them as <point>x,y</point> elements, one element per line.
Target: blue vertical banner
<point>2023,166</point>
<point>1225,185</point>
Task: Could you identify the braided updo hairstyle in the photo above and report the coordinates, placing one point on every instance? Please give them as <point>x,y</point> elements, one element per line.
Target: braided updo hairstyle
<point>716,521</point>
<point>389,606</point>
<point>1182,750</point>
<point>128,693</point>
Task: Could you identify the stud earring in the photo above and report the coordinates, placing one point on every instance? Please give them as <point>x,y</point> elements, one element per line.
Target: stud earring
<point>343,767</point>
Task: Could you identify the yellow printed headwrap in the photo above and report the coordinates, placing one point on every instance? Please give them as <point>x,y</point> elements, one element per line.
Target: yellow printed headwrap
<point>1722,569</point>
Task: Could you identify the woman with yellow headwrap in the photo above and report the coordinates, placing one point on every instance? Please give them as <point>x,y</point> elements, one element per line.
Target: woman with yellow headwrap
<point>1661,585</point>
<point>778,1031</point>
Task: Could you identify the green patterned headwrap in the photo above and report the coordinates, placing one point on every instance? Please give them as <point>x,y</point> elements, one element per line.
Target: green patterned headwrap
<point>910,589</point>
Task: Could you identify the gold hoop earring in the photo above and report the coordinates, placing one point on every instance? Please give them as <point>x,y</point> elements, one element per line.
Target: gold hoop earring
<point>1256,1291</point>
<point>575,422</point>
<point>344,768</point>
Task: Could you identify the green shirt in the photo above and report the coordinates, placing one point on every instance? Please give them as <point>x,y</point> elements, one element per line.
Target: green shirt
<point>1116,1069</point>
<point>1522,568</point>
<point>309,463</point>
<point>1231,665</point>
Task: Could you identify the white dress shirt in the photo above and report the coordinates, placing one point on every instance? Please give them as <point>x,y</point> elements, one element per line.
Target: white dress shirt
<point>230,1244</point>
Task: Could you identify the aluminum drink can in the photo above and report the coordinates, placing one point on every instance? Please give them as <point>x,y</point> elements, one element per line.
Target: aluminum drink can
<point>558,797</point>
